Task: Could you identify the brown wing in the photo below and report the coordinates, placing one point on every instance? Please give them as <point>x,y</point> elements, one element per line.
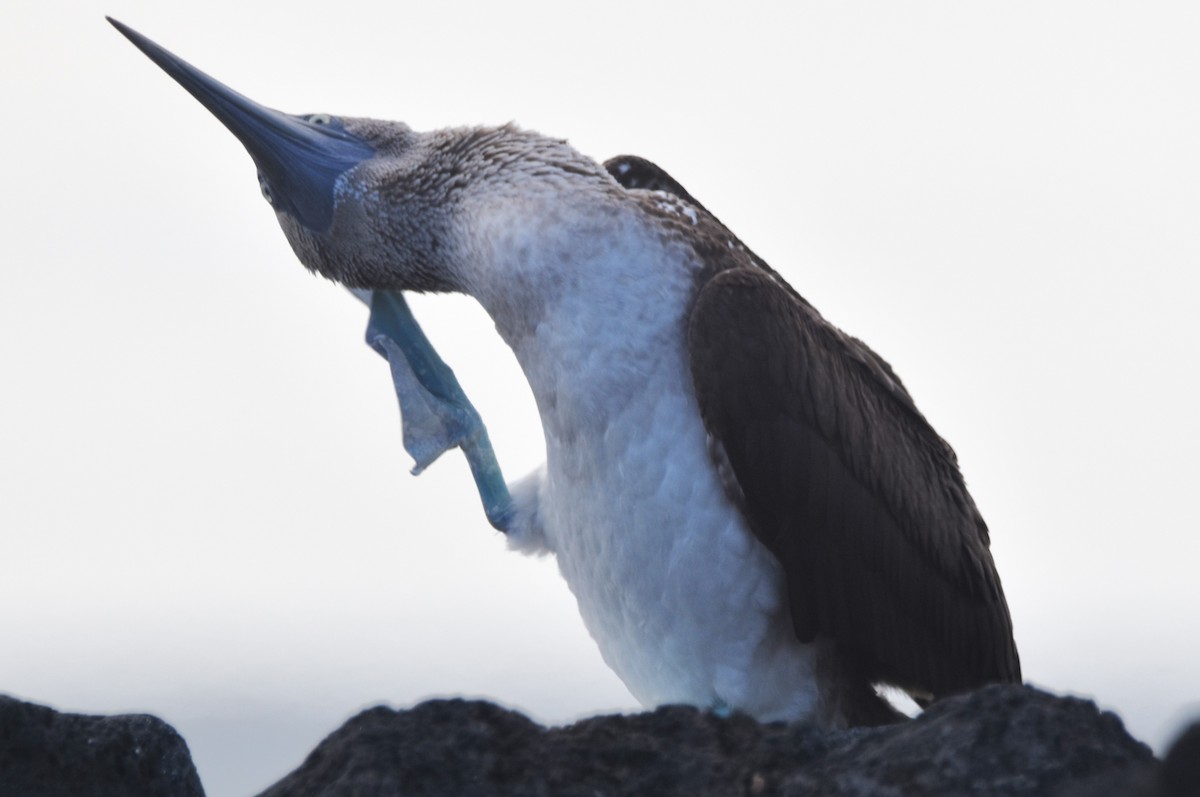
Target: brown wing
<point>633,172</point>
<point>848,485</point>
<point>639,173</point>
<point>841,476</point>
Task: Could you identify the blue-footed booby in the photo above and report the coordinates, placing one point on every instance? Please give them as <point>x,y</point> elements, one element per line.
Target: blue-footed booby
<point>745,501</point>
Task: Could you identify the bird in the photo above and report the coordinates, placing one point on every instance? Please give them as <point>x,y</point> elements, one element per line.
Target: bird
<point>745,501</point>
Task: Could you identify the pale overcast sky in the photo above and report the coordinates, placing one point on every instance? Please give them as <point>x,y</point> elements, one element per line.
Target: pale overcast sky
<point>205,510</point>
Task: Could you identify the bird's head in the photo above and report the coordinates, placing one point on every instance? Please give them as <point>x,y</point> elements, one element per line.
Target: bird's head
<point>374,204</point>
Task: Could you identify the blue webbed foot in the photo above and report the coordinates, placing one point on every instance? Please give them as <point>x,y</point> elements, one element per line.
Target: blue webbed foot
<point>719,708</point>
<point>435,413</point>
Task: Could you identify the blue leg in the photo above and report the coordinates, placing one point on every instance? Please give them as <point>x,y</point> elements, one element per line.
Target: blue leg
<point>435,413</point>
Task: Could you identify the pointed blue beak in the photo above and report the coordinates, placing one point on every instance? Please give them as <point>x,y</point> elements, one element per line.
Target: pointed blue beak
<point>298,161</point>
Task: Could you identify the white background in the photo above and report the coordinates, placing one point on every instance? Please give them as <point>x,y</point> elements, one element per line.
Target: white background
<point>205,511</point>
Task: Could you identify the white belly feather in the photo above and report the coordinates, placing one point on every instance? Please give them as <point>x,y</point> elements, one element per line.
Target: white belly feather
<point>684,603</point>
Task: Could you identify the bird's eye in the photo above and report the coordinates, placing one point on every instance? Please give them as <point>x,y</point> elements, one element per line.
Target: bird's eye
<point>320,119</point>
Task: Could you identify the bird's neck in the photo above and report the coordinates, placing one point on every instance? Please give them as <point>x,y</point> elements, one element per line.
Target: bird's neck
<point>592,301</point>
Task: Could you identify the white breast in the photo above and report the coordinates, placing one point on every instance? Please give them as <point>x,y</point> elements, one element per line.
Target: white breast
<point>684,603</point>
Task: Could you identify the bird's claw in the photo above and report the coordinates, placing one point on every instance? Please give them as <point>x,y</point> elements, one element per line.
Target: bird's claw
<point>435,412</point>
<point>432,424</point>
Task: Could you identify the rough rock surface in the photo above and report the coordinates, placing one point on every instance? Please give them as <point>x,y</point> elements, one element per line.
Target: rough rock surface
<point>1180,773</point>
<point>1003,740</point>
<point>44,753</point>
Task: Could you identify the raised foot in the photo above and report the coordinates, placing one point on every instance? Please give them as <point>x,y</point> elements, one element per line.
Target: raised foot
<point>435,413</point>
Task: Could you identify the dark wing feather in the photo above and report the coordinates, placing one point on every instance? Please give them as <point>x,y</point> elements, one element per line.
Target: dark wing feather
<point>841,476</point>
<point>638,173</point>
<point>633,172</point>
<point>851,489</point>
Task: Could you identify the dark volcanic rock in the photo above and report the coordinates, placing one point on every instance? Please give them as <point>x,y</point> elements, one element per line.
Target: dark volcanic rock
<point>1180,773</point>
<point>44,753</point>
<point>1003,740</point>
